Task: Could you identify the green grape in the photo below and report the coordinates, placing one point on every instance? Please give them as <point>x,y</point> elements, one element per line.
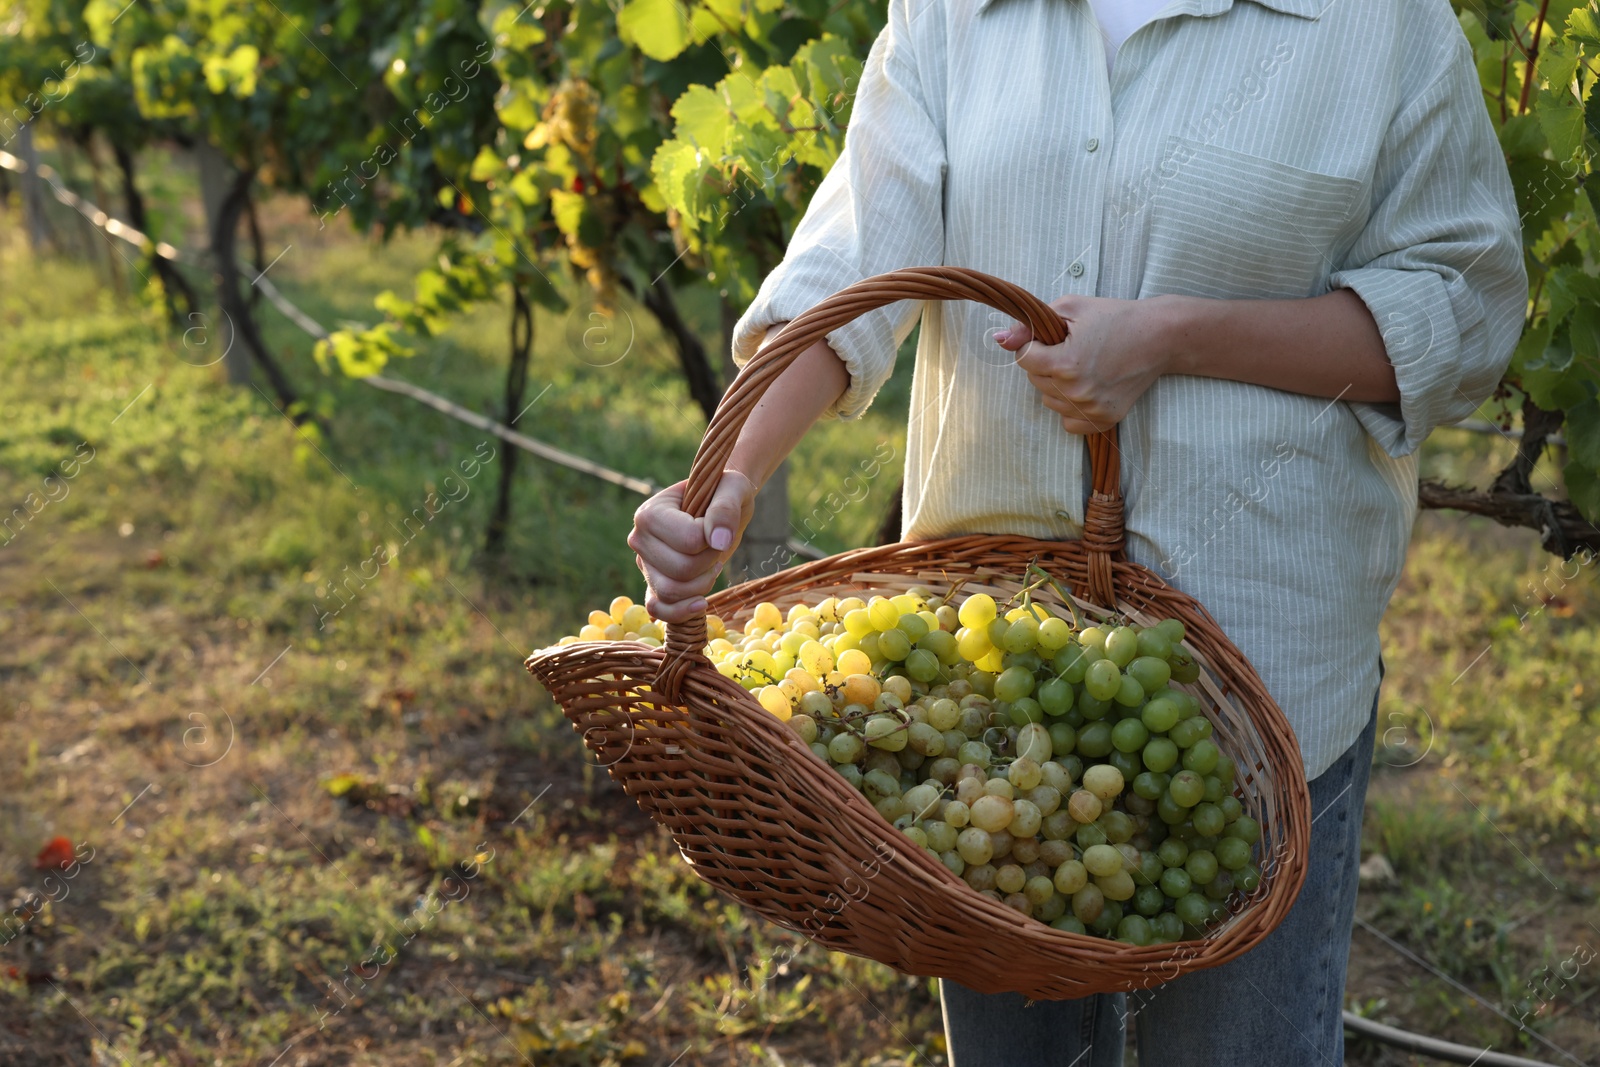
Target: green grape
<point>885,732</point>
<point>893,645</point>
<point>1214,793</point>
<point>1102,680</point>
<point>943,644</point>
<point>1134,929</point>
<point>1150,869</point>
<point>1122,645</point>
<point>1245,829</point>
<point>1150,784</point>
<point>1029,661</point>
<point>1150,672</point>
<point>1160,754</point>
<point>868,645</point>
<point>1092,707</point>
<point>974,752</point>
<point>1126,762</point>
<point>1062,737</point>
<point>1071,924</point>
<point>879,784</point>
<point>1093,637</point>
<point>1022,635</point>
<point>1232,853</point>
<point>1052,909</point>
<point>1172,852</point>
<point>1025,711</point>
<point>1130,694</point>
<point>1070,877</point>
<point>1247,879</point>
<point>1072,764</point>
<point>1055,697</point>
<point>1231,808</point>
<point>1013,683</point>
<point>1220,887</point>
<point>1054,635</point>
<point>1172,630</point>
<point>848,771</point>
<point>1161,714</point>
<point>1070,664</point>
<point>1201,865</point>
<point>915,627</point>
<point>1154,642</point>
<point>1175,882</point>
<point>1088,904</point>
<point>1101,860</point>
<point>1094,740</point>
<point>1167,927</point>
<point>1116,825</point>
<point>1129,735</point>
<point>1089,835</point>
<point>1187,788</point>
<point>975,846</point>
<point>1208,819</point>
<point>1201,757</point>
<point>1192,909</point>
<point>1187,732</point>
<point>1110,916</point>
<point>1226,771</point>
<point>1149,900</point>
<point>1038,890</point>
<point>1185,671</point>
<point>922,665</point>
<point>845,748</point>
<point>1170,811</point>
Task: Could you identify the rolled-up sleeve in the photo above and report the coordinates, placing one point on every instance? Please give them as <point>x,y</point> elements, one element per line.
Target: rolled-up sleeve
<point>880,208</point>
<point>1439,263</point>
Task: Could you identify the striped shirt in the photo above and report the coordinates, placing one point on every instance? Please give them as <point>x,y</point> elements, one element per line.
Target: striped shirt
<point>1239,149</point>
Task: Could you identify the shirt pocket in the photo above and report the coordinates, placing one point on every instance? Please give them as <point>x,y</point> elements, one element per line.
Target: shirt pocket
<point>1229,224</point>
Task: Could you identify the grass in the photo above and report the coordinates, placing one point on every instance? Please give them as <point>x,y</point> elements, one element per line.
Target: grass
<point>377,842</point>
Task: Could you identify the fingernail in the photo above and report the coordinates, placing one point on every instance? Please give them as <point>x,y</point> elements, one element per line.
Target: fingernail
<point>1001,336</point>
<point>699,605</point>
<point>721,538</point>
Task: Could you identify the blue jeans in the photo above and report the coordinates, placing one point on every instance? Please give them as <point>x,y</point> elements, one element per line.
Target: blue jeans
<point>1278,1004</point>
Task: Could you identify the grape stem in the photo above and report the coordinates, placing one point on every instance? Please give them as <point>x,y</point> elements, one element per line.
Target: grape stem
<point>1044,575</point>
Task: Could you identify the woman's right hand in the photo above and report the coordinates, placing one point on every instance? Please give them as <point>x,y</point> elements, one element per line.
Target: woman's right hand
<point>681,555</point>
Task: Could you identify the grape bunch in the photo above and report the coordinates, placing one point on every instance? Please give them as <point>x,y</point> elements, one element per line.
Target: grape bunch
<point>1051,764</point>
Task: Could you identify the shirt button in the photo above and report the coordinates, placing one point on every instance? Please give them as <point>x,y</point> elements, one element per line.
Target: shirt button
<point>1091,144</point>
<point>1076,269</point>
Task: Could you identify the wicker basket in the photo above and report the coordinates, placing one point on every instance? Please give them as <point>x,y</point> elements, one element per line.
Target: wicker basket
<point>759,817</point>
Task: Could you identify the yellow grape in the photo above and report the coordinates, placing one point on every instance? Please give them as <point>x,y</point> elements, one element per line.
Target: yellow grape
<point>815,658</point>
<point>853,661</point>
<point>591,632</point>
<point>619,608</point>
<point>772,698</point>
<point>767,615</point>
<point>882,613</point>
<point>602,619</point>
<point>858,623</point>
<point>977,611</point>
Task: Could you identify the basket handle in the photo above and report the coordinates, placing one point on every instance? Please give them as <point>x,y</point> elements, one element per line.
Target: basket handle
<point>1102,524</point>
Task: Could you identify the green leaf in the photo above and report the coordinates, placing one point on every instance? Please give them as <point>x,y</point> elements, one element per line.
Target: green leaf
<point>1568,288</point>
<point>658,28</point>
<point>1584,25</point>
<point>677,167</point>
<point>702,119</point>
<point>486,165</point>
<point>1583,489</point>
<point>1563,126</point>
<point>1584,330</point>
<point>1583,434</point>
<point>1521,137</point>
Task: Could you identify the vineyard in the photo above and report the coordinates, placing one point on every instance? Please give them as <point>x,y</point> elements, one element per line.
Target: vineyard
<point>341,343</point>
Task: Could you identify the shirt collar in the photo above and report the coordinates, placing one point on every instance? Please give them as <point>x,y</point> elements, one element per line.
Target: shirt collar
<point>1308,9</point>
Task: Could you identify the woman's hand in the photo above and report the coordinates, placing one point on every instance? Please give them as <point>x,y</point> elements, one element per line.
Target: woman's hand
<point>1116,350</point>
<point>679,554</point>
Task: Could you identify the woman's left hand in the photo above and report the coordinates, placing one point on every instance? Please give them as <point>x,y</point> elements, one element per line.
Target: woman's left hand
<point>1116,350</point>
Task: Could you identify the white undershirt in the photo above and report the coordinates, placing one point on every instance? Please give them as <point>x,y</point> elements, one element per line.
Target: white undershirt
<point>1119,18</point>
